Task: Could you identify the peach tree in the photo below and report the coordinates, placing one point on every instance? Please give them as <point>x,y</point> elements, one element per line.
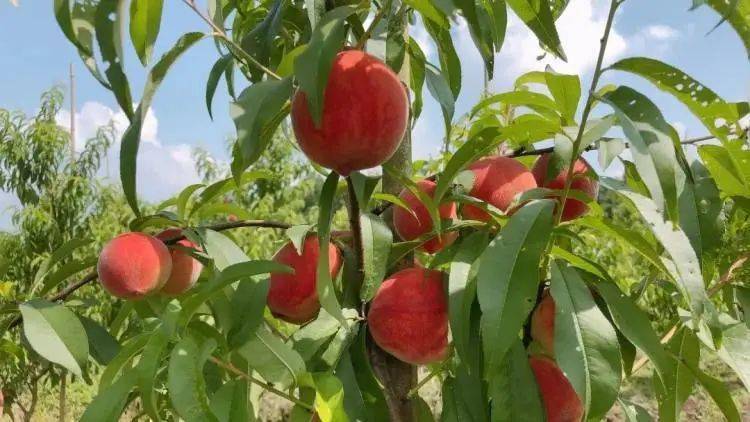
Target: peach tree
<point>476,270</point>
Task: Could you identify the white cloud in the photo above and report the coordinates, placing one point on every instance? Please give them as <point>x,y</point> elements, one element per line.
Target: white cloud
<point>163,170</point>
<point>580,27</point>
<point>661,32</point>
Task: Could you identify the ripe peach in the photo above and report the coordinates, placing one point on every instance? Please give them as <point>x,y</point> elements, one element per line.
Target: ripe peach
<point>185,268</point>
<point>294,297</point>
<point>497,181</point>
<point>134,265</point>
<point>409,227</point>
<point>561,403</point>
<point>364,116</point>
<point>581,182</point>
<point>408,317</point>
<point>543,323</point>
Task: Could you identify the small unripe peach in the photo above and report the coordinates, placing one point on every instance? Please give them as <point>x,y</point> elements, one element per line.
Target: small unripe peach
<point>294,297</point>
<point>410,227</point>
<point>561,403</point>
<point>185,268</point>
<point>582,181</point>
<point>408,317</point>
<point>134,265</point>
<point>543,324</point>
<point>497,181</point>
<point>364,116</point>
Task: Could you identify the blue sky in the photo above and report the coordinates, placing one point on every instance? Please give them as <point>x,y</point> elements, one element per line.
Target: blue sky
<point>36,56</point>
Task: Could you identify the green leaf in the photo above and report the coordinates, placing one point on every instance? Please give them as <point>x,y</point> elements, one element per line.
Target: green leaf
<point>428,10</point>
<point>254,110</point>
<point>586,347</point>
<point>457,406</point>
<point>184,197</point>
<point>417,62</point>
<point>286,65</point>
<point>516,395</point>
<point>145,19</point>
<point>700,210</point>
<point>438,87</point>
<point>324,284</point>
<point>186,383</point>
<point>364,186</point>
<point>651,141</point>
<point>102,345</point>
<point>608,149</point>
<point>84,16</point>
<point>536,14</point>
<point>372,393</point>
<point>247,306</point>
<point>308,340</point>
<point>259,42</point>
<point>65,22</point>
<point>534,100</point>
<point>273,359</point>
<point>450,64</point>
<point>634,412</point>
<point>223,250</point>
<point>297,235</point>
<point>686,270</point>
<point>55,333</point>
<point>714,387</point>
<point>566,90</point>
<point>311,68</point>
<point>230,403</point>
<point>218,69</point>
<point>630,237</point>
<point>377,239</point>
<point>736,12</point>
<point>108,405</point>
<point>395,47</point>
<point>634,324</point>
<point>215,190</point>
<point>685,348</point>
<point>108,28</point>
<point>329,396</point>
<point>120,362</point>
<point>719,117</point>
<point>508,278</point>
<point>733,351</point>
<point>150,360</point>
<point>131,139</point>
<point>462,287</point>
<point>63,252</point>
<point>730,179</point>
<point>480,27</point>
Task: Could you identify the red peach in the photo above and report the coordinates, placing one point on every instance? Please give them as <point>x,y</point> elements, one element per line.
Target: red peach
<point>185,268</point>
<point>543,323</point>
<point>294,297</point>
<point>561,403</point>
<point>410,227</point>
<point>497,181</point>
<point>364,116</point>
<point>581,182</point>
<point>408,317</point>
<point>134,265</point>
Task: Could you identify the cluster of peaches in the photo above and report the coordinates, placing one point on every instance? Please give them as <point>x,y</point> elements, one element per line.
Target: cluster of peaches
<point>364,118</point>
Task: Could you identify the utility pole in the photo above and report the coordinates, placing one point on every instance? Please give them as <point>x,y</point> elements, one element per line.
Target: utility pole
<point>72,113</point>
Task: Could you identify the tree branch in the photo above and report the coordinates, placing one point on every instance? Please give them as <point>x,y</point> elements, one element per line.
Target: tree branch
<point>233,47</point>
<point>236,371</point>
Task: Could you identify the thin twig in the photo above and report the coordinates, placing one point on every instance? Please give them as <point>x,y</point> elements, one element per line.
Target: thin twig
<point>414,391</point>
<point>587,109</point>
<point>726,278</point>
<point>233,47</point>
<point>236,371</point>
